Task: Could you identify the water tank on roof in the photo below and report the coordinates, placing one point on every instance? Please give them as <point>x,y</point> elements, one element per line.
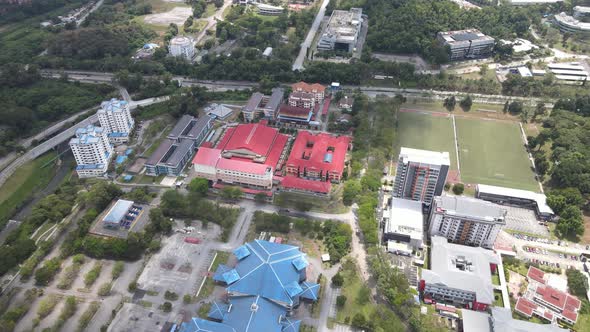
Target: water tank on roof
<point>328,157</point>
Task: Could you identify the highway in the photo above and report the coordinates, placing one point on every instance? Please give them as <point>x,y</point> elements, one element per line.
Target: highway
<point>62,137</point>
<point>298,64</point>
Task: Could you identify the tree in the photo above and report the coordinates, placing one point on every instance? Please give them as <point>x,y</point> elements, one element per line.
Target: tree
<point>340,301</point>
<point>466,103</point>
<point>570,222</point>
<point>352,188</point>
<point>187,299</point>
<point>199,186</point>
<point>540,110</point>
<point>359,320</point>
<point>231,193</point>
<point>218,3</point>
<point>337,280</point>
<point>167,306</point>
<point>450,103</point>
<point>132,286</point>
<point>515,107</point>
<point>577,282</point>
<point>458,188</point>
<point>506,106</point>
<point>188,23</point>
<point>260,197</point>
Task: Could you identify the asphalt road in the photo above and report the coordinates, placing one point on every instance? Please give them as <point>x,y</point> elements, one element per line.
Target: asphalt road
<point>298,64</point>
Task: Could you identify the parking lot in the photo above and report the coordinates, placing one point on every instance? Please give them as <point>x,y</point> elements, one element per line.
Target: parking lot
<point>524,220</point>
<point>180,266</point>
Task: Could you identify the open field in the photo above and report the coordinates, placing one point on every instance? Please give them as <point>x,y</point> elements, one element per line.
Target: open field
<point>423,130</point>
<point>492,152</point>
<point>21,185</point>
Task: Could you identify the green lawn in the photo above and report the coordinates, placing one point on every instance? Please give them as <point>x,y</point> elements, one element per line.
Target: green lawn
<point>23,183</point>
<point>492,152</point>
<point>427,132</point>
<point>352,288</point>
<point>498,302</point>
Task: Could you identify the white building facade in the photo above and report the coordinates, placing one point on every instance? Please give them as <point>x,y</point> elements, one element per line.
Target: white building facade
<point>467,221</point>
<point>115,118</point>
<point>92,151</point>
<point>182,46</point>
<point>421,174</point>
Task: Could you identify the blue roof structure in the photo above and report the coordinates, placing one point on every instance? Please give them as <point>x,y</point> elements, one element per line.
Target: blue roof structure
<point>118,211</point>
<point>218,311</point>
<point>231,276</point>
<point>202,325</point>
<point>310,290</point>
<point>241,252</point>
<point>128,177</point>
<point>120,160</point>
<point>269,271</point>
<point>128,152</point>
<point>300,263</point>
<point>247,314</point>
<point>89,166</point>
<point>221,269</point>
<point>118,134</point>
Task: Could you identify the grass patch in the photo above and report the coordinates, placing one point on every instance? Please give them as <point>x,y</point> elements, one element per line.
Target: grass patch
<point>583,323</point>
<point>496,279</point>
<point>42,229</point>
<point>354,289</point>
<point>21,186</point>
<point>492,152</point>
<point>209,284</point>
<point>87,316</point>
<point>204,310</point>
<point>425,131</point>
<point>498,301</point>
<point>333,204</point>
<point>209,10</point>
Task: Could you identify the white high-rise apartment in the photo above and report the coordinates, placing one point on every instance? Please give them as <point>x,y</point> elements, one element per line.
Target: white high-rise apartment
<point>181,46</point>
<point>466,220</point>
<point>115,118</point>
<point>92,151</point>
<point>421,174</point>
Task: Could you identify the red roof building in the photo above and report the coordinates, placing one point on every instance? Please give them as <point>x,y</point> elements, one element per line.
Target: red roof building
<point>318,90</point>
<point>292,183</point>
<point>525,306</point>
<point>318,156</point>
<point>536,275</point>
<point>247,154</point>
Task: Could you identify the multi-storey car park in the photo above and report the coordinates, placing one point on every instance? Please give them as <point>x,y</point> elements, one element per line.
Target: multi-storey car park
<point>466,220</point>
<point>421,174</point>
<point>516,197</point>
<point>466,44</point>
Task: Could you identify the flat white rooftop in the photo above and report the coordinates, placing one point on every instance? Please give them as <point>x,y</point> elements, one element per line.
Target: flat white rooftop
<point>405,218</point>
<point>425,156</point>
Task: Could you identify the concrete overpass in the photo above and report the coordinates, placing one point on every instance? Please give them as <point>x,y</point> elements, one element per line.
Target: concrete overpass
<point>62,137</point>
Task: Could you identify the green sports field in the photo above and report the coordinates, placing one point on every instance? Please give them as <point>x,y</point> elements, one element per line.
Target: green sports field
<point>492,152</point>
<point>425,131</point>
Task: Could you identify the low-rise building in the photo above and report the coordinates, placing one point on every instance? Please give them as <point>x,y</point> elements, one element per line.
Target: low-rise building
<point>190,128</point>
<point>260,104</point>
<point>515,197</point>
<point>302,99</point>
<point>92,151</point>
<point>318,157</point>
<point>547,302</point>
<point>459,275</point>
<point>218,111</point>
<point>466,220</point>
<point>294,116</point>
<point>501,320</point>
<point>316,89</point>
<point>342,31</point>
<point>268,10</point>
<point>265,286</point>
<point>404,224</point>
<point>570,71</point>
<point>170,157</point>
<point>121,214</point>
<point>345,103</point>
<point>568,23</point>
<point>247,154</point>
<point>302,186</point>
<point>115,118</point>
<point>466,44</point>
